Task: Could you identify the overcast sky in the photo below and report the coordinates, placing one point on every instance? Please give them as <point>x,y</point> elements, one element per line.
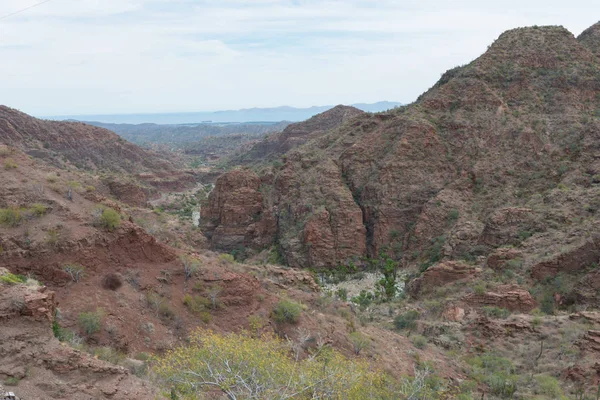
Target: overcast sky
<point>125,56</point>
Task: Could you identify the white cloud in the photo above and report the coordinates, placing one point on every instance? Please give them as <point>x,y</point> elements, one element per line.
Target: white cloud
<point>110,56</point>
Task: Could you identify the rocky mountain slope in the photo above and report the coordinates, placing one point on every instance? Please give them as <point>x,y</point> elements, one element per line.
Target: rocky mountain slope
<point>45,368</point>
<point>485,193</point>
<point>277,144</point>
<point>133,174</point>
<point>484,155</point>
<point>116,283</point>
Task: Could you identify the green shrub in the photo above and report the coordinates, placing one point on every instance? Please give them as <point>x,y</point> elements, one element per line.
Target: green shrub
<point>13,279</point>
<point>420,342</point>
<point>549,386</point>
<point>38,209</point>
<point>286,311</point>
<point>496,312</point>
<point>62,334</point>
<point>9,163</point>
<point>108,354</point>
<point>110,219</point>
<point>359,342</point>
<point>342,294</point>
<point>547,303</point>
<point>12,381</point>
<point>453,215</point>
<point>523,235</point>
<point>479,289</point>
<point>364,299</point>
<point>407,320</point>
<point>196,304</point>
<point>10,216</point>
<point>89,322</point>
<point>227,258</point>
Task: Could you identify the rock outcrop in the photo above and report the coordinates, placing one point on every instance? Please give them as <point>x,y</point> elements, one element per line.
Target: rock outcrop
<point>235,216</point>
<point>499,259</point>
<point>442,274</point>
<point>511,297</point>
<point>43,366</point>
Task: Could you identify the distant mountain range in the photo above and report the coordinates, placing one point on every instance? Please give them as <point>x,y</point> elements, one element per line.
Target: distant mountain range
<point>276,114</point>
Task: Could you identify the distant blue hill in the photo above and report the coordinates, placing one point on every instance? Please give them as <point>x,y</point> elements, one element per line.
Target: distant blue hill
<point>283,113</point>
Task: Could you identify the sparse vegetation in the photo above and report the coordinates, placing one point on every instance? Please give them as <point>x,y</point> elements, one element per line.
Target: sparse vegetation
<point>407,320</point>
<point>76,271</point>
<point>9,163</point>
<point>359,342</point>
<point>286,311</point>
<point>10,216</point>
<point>89,322</point>
<point>12,279</point>
<point>106,218</point>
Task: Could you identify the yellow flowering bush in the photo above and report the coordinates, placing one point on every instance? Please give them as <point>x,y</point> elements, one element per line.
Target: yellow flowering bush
<point>244,367</point>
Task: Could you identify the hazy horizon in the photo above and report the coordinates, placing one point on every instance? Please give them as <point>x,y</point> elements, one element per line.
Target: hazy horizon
<point>158,56</point>
<point>254,114</point>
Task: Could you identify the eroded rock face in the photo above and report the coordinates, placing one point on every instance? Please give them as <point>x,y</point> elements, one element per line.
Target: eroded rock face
<point>441,274</point>
<point>235,216</point>
<point>571,261</point>
<point>504,225</point>
<point>511,297</point>
<point>498,259</point>
<point>45,367</point>
<point>590,341</point>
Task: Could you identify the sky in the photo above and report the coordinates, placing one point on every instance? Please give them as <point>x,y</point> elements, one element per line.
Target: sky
<point>67,57</point>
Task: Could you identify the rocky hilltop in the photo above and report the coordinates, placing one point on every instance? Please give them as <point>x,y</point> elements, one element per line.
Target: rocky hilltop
<point>486,153</point>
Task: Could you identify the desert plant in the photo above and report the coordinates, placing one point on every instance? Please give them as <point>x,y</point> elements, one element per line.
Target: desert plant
<point>10,216</point>
<point>342,294</point>
<point>286,311</point>
<point>76,271</point>
<point>407,320</point>
<point>549,386</point>
<point>106,218</point>
<point>89,322</point>
<point>9,163</point>
<point>241,366</point>
<point>213,295</point>
<point>112,281</point>
<point>359,342</point>
<point>13,279</point>
<point>12,381</point>
<point>387,284</point>
<point>227,258</point>
<point>420,342</point>
<point>496,312</point>
<point>190,266</point>
<point>364,299</point>
<point>196,304</point>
